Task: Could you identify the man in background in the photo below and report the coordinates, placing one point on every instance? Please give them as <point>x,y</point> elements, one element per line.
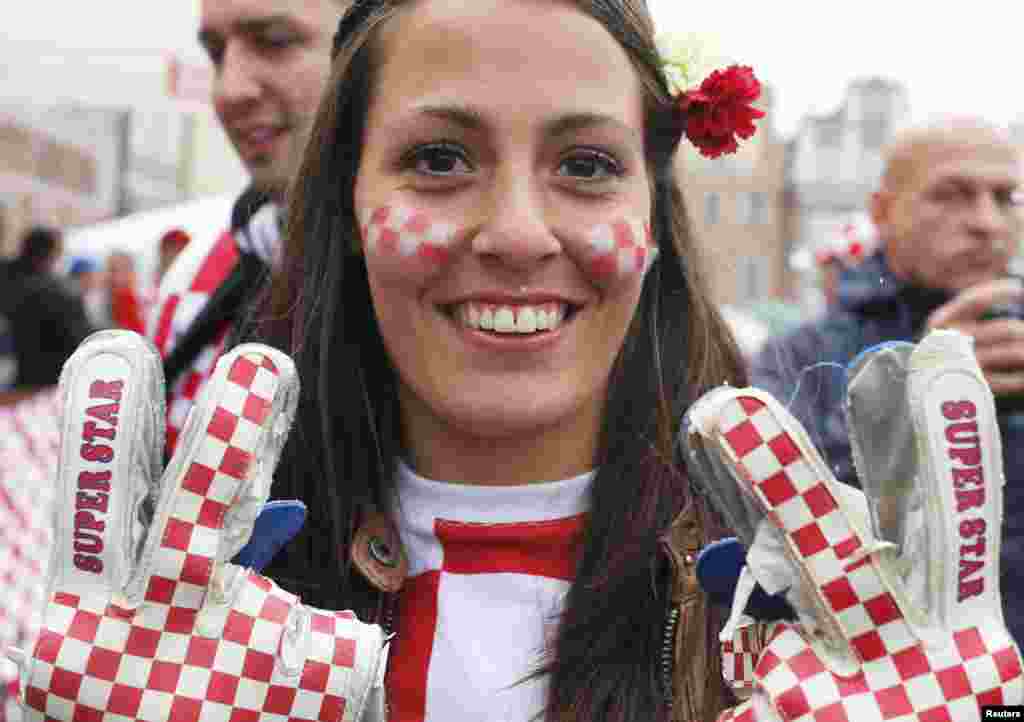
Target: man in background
<point>46,321</point>
<point>89,281</point>
<point>172,243</point>
<point>949,222</point>
<point>123,293</point>
<point>271,60</point>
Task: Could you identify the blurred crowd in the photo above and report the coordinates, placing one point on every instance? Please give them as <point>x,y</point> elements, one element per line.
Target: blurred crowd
<point>49,304</point>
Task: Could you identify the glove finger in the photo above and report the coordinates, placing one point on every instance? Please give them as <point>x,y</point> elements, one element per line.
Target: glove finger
<point>241,517</point>
<point>961,477</point>
<point>776,466</point>
<point>882,436</point>
<point>112,393</point>
<point>229,444</point>
<point>712,477</point>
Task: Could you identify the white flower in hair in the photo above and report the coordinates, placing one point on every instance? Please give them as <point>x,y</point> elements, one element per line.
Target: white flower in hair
<point>688,58</point>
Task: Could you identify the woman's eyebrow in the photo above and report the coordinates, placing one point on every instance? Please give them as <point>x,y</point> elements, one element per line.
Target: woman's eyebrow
<point>470,118</point>
<point>460,115</point>
<point>571,122</point>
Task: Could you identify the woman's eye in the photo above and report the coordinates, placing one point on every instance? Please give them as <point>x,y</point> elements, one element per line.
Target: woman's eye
<point>439,161</point>
<point>590,165</point>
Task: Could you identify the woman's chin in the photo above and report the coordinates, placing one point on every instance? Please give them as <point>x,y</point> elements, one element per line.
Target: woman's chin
<point>510,412</point>
<point>507,421</point>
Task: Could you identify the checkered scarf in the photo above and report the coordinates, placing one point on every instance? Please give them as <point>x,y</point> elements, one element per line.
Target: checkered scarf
<point>185,292</point>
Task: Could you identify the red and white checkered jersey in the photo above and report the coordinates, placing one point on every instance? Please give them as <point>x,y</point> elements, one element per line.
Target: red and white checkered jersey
<point>29,448</point>
<point>489,568</point>
<point>184,293</point>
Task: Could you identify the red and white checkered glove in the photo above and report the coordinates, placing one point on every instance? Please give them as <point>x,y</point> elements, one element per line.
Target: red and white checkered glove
<point>145,618</point>
<point>900,614</point>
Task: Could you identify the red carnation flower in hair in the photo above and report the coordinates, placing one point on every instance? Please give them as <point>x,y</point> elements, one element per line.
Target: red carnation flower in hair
<point>720,110</point>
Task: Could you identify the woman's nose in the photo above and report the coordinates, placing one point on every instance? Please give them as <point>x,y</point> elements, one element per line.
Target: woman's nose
<point>516,230</point>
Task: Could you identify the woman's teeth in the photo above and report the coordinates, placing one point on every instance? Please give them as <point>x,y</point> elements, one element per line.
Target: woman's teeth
<point>511,319</point>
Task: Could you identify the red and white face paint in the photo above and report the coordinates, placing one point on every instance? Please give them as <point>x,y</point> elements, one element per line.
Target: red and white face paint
<point>617,251</point>
<point>416,244</point>
<point>409,242</point>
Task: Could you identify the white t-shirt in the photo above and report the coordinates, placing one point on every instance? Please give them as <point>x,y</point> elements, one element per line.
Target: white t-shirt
<point>489,568</point>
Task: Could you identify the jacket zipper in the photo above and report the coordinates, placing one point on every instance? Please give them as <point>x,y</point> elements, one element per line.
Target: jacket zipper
<point>668,654</point>
<point>387,621</point>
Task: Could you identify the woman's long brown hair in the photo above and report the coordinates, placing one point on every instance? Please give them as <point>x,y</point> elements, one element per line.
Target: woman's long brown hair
<point>606,662</point>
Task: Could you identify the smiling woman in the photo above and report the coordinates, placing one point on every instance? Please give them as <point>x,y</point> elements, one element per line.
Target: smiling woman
<point>495,306</point>
<point>524,169</point>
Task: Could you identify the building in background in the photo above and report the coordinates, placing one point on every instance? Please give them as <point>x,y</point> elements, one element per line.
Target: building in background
<point>155,159</point>
<point>737,208</point>
<point>78,161</point>
<point>834,162</point>
<point>210,164</point>
<point>179,151</point>
<point>58,165</point>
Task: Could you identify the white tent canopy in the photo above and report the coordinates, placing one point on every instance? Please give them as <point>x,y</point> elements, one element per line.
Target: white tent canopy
<point>139,234</point>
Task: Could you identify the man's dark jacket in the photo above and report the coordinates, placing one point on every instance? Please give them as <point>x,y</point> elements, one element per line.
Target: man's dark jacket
<point>48,323</point>
<point>874,306</point>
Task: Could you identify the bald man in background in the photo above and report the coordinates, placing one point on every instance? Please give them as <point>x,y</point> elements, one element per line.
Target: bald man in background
<point>949,221</point>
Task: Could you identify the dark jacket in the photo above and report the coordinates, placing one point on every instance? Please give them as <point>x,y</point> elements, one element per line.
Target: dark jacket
<point>805,369</point>
<point>46,322</point>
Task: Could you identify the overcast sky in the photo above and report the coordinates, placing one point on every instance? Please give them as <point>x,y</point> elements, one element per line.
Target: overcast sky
<point>968,59</point>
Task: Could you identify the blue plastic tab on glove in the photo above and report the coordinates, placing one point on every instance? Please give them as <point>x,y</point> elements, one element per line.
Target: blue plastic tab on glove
<point>278,523</point>
<point>718,569</point>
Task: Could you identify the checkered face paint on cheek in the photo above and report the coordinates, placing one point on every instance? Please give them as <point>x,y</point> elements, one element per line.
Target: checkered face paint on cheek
<point>406,242</point>
<point>614,253</point>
